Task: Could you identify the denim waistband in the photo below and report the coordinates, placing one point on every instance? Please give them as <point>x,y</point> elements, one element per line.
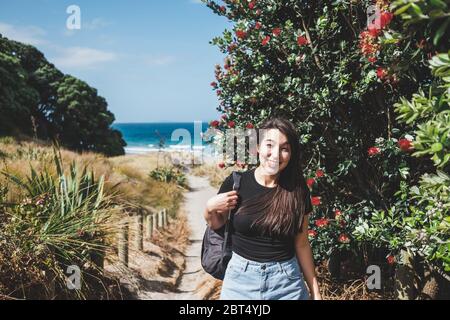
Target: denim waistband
<point>255,265</point>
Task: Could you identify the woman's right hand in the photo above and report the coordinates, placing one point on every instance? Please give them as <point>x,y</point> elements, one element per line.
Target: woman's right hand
<point>223,202</point>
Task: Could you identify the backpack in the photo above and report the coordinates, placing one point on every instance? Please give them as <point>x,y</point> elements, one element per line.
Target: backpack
<point>216,245</point>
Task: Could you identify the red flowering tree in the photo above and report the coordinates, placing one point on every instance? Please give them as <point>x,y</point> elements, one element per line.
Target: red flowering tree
<point>335,69</point>
<point>418,223</point>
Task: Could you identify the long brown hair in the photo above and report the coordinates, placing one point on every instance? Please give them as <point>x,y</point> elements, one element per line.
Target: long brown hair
<point>283,207</point>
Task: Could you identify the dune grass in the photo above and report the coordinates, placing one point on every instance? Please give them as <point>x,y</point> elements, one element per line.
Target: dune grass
<point>59,208</point>
<point>215,174</point>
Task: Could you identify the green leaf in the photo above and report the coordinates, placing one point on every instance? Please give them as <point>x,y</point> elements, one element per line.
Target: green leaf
<point>436,147</point>
<point>402,9</point>
<point>440,32</point>
<point>438,3</point>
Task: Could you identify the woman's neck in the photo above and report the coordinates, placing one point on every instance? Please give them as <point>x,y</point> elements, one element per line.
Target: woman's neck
<point>265,179</point>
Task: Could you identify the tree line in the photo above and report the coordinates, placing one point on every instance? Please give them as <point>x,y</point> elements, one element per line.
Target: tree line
<point>38,100</point>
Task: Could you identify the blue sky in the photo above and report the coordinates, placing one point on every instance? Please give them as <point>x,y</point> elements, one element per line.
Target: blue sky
<point>150,59</point>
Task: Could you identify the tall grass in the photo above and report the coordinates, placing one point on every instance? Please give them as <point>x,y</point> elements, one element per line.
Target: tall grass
<point>59,208</point>
<point>64,216</point>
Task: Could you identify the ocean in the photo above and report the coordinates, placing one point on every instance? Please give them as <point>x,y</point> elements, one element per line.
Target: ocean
<point>143,138</point>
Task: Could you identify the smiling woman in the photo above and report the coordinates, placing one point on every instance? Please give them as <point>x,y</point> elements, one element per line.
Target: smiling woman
<point>271,253</point>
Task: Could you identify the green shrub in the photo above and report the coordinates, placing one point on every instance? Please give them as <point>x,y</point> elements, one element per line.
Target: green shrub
<point>64,217</point>
<point>169,174</point>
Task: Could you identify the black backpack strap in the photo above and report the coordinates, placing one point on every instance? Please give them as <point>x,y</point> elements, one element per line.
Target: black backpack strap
<point>236,180</point>
<point>236,186</point>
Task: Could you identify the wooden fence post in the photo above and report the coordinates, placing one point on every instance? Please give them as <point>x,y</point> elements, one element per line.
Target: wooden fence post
<point>123,243</point>
<point>160,220</point>
<point>149,225</point>
<point>165,218</point>
<point>139,237</point>
<point>154,222</point>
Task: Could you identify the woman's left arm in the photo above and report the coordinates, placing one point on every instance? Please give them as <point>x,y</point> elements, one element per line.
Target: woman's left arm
<point>305,259</point>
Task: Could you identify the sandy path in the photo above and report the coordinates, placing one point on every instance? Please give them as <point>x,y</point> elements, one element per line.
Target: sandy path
<point>193,274</point>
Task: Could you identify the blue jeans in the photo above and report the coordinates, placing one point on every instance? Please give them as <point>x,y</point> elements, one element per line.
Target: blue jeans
<point>250,280</point>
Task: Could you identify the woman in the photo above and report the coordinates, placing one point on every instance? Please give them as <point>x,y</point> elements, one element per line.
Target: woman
<point>269,229</point>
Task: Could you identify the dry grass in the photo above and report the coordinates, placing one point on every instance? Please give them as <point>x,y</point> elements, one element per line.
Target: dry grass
<point>126,177</point>
<point>350,288</point>
<point>132,174</point>
<point>215,175</point>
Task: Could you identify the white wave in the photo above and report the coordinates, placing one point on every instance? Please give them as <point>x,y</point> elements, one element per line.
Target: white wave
<point>173,148</point>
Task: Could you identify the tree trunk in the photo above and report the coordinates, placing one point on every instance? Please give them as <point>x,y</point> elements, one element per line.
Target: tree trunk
<point>405,278</point>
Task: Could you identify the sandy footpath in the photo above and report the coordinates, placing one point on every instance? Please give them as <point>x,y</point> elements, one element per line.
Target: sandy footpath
<point>193,275</point>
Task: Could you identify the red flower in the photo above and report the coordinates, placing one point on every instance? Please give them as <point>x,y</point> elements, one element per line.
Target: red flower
<point>214,124</point>
<point>343,238</point>
<point>385,19</point>
<point>302,41</point>
<point>381,73</point>
<point>276,32</point>
<point>310,182</point>
<point>241,34</point>
<point>319,173</point>
<point>381,23</point>
<point>219,92</point>
<point>249,126</point>
<point>372,59</point>
<point>405,145</point>
<point>337,214</point>
<point>265,40</point>
<point>315,201</point>
<point>232,46</point>
<point>373,151</point>
<point>222,9</point>
<point>251,5</point>
<point>231,124</point>
<point>373,30</point>
<point>312,233</point>
<point>390,259</point>
<point>214,84</point>
<point>369,47</point>
<point>258,25</point>
<point>321,223</point>
<point>221,165</point>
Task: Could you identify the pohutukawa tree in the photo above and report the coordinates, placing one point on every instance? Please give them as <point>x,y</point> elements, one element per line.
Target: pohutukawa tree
<point>336,69</point>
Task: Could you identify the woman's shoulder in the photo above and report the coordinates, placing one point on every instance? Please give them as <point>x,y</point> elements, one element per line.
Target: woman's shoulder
<point>227,184</point>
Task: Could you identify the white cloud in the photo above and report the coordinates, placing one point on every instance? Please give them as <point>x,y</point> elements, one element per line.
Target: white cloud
<point>158,60</point>
<point>29,34</point>
<point>81,57</point>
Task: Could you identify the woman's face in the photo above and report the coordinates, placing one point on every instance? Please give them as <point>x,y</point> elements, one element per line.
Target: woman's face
<point>274,151</point>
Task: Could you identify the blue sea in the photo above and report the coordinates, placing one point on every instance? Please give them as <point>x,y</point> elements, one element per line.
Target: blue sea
<point>143,138</point>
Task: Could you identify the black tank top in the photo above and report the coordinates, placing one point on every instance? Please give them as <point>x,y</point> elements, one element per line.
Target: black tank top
<point>247,240</point>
